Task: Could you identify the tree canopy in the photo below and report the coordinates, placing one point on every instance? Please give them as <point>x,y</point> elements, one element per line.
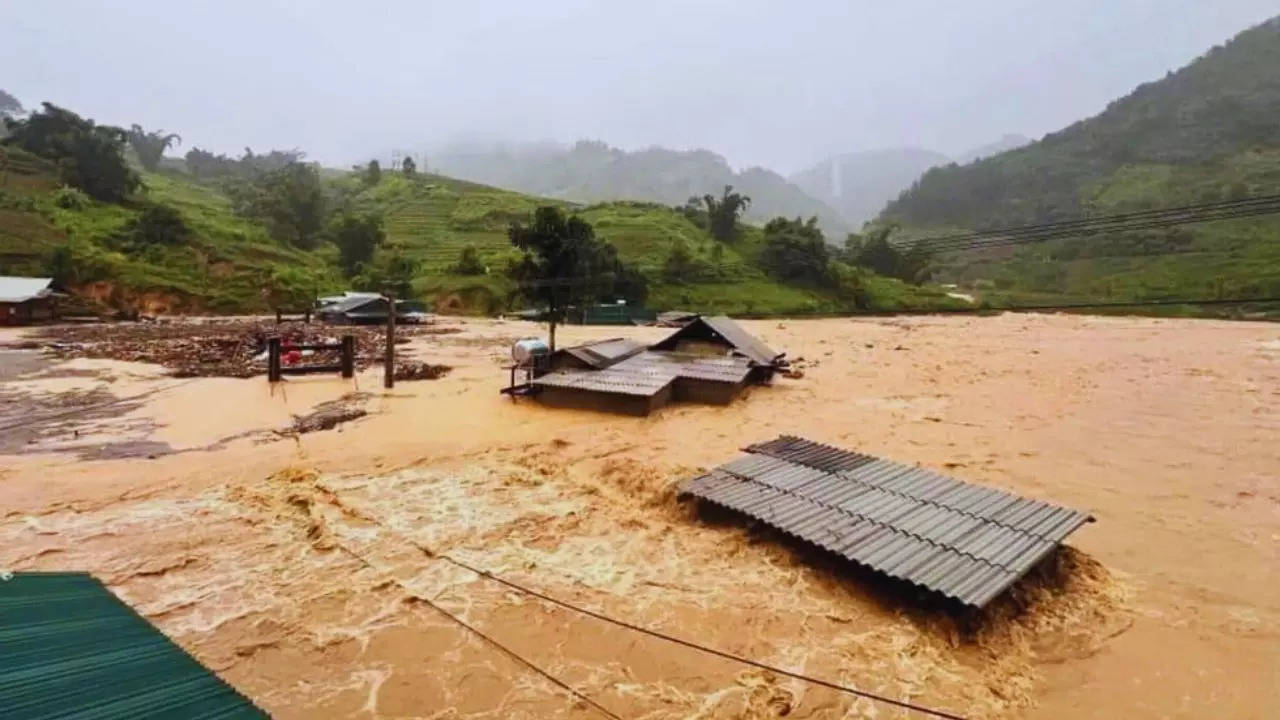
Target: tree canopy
<point>795,251</point>
<point>357,237</point>
<point>150,146</point>
<point>289,200</point>
<point>409,167</point>
<point>563,264</point>
<point>874,252</point>
<point>89,156</point>
<point>468,262</point>
<point>723,213</point>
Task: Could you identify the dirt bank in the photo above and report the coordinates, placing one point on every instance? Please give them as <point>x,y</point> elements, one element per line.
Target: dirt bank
<point>297,568</point>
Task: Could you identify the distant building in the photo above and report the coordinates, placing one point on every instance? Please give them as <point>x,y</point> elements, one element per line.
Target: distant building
<point>709,360</point>
<point>25,300</point>
<point>357,308</point>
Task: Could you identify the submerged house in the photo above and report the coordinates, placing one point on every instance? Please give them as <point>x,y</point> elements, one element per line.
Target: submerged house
<point>710,360</point>
<point>24,300</point>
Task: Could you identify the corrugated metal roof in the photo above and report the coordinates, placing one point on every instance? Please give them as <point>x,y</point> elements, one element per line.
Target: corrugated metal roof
<point>21,289</point>
<point>609,380</point>
<point>718,368</point>
<point>741,341</point>
<point>604,353</point>
<point>965,541</point>
<point>72,649</point>
<point>648,372</point>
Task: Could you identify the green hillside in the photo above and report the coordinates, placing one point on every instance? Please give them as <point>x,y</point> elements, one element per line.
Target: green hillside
<point>228,263</point>
<point>1206,133</point>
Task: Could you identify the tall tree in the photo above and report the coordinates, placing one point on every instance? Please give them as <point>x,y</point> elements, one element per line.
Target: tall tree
<point>562,264</point>
<point>373,173</point>
<point>872,250</point>
<point>289,200</point>
<point>795,251</point>
<point>150,146</point>
<point>409,167</point>
<point>723,213</point>
<point>89,156</point>
<point>357,237</point>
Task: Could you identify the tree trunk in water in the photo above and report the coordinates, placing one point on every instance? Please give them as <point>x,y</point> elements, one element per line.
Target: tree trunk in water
<point>553,335</point>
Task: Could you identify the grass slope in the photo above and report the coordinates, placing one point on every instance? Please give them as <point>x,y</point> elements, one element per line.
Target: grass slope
<point>227,264</point>
<point>230,264</point>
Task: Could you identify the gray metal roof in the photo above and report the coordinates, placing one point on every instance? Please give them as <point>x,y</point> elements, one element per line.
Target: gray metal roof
<point>21,289</point>
<point>965,541</point>
<point>730,332</point>
<point>604,353</point>
<point>647,372</point>
<point>610,380</point>
<point>71,649</point>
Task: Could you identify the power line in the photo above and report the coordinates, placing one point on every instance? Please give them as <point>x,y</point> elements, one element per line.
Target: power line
<point>503,648</point>
<point>685,643</point>
<point>1163,217</point>
<point>1007,231</point>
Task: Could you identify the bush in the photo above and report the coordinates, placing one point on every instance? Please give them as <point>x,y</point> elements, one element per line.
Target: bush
<point>69,198</point>
<point>469,262</point>
<point>796,252</point>
<point>158,225</point>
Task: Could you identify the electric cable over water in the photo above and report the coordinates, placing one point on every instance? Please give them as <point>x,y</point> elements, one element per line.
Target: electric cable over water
<point>578,694</point>
<point>688,643</point>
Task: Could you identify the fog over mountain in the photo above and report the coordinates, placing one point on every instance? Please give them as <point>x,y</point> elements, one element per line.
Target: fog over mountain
<point>760,83</point>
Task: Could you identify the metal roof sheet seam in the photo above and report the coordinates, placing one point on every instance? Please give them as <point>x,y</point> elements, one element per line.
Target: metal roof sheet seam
<point>964,541</point>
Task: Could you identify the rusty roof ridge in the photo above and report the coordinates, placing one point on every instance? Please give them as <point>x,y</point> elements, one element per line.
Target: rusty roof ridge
<point>761,449</point>
<point>865,518</point>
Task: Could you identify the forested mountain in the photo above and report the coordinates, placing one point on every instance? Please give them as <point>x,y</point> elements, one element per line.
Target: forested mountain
<point>1223,105</point>
<point>1011,141</point>
<point>595,172</point>
<point>1208,132</point>
<point>859,184</point>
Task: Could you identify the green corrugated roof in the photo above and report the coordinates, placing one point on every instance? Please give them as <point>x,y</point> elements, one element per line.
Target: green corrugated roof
<point>71,649</point>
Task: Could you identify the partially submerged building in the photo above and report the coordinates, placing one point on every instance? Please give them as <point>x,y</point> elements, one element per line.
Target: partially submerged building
<point>710,360</point>
<point>25,300</point>
<point>963,541</point>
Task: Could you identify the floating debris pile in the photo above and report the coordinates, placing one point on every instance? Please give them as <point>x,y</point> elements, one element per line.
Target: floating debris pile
<point>220,348</point>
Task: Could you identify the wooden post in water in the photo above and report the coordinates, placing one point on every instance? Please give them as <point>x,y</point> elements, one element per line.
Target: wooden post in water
<point>273,360</point>
<point>389,372</point>
<point>348,356</point>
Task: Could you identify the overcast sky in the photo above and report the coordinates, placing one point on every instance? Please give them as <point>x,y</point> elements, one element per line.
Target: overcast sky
<point>779,83</point>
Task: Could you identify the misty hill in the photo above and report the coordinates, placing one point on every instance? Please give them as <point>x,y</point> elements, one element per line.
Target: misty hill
<point>1011,141</point>
<point>859,184</point>
<point>595,172</point>
<point>224,261</point>
<point>1205,133</point>
<point>1221,105</point>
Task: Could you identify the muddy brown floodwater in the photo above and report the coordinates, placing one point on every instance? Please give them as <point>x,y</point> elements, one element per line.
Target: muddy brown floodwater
<point>303,568</point>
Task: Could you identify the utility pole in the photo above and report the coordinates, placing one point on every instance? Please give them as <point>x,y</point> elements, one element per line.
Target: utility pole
<point>389,372</point>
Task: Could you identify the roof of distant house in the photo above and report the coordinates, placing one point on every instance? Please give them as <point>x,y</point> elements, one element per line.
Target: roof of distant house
<point>21,289</point>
